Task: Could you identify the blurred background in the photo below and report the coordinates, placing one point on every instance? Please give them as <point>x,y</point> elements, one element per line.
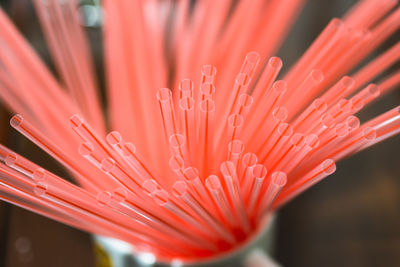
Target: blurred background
<point>350,219</point>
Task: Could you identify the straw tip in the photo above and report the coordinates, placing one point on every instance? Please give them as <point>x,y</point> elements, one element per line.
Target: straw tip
<point>285,129</point>
<point>176,163</point>
<point>317,75</point>
<point>312,140</point>
<point>104,198</point>
<point>186,84</point>
<point>249,159</point>
<point>186,103</point>
<point>107,165</point>
<point>191,173</point>
<point>150,186</point>
<point>114,138</point>
<point>177,140</point>
<point>164,94</point>
<point>40,189</point>
<point>280,113</point>
<point>347,82</point>
<point>161,197</point>
<point>275,62</point>
<point>16,120</point>
<point>119,194</point>
<point>242,79</point>
<point>129,149</point>
<point>253,56</point>
<point>10,159</point>
<point>76,120</point>
<point>179,188</point>
<point>259,171</point>
<point>373,90</point>
<point>279,178</point>
<point>328,166</point>
<point>235,120</point>
<point>85,149</point>
<point>208,70</point>
<point>213,182</point>
<point>236,146</point>
<point>369,133</point>
<point>39,174</point>
<point>227,168</point>
<point>207,105</point>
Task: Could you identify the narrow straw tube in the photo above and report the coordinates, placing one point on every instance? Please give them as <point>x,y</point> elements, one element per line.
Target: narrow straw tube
<point>296,142</point>
<point>207,89</point>
<point>366,13</point>
<point>348,146</point>
<point>147,221</point>
<point>269,126</point>
<point>308,88</point>
<point>186,87</point>
<point>276,183</point>
<point>247,162</point>
<point>243,105</point>
<point>385,126</point>
<point>163,199</point>
<point>264,107</point>
<point>378,65</point>
<point>250,64</point>
<point>87,134</point>
<point>364,97</point>
<point>327,36</point>
<point>241,85</point>
<point>156,212</point>
<point>281,147</point>
<point>177,165</point>
<point>234,127</point>
<point>268,76</point>
<point>179,147</point>
<point>341,110</point>
<point>198,190</point>
<point>214,186</point>
<point>205,135</point>
<point>34,65</point>
<point>338,91</point>
<point>298,185</point>
<point>390,83</point>
<point>180,190</point>
<point>20,164</point>
<point>326,121</point>
<point>235,150</point>
<point>278,139</point>
<point>113,170</point>
<point>23,195</point>
<point>57,190</point>
<point>311,143</point>
<point>164,97</point>
<point>309,117</point>
<point>208,73</point>
<point>32,203</point>
<point>228,171</point>
<point>40,140</point>
<point>131,156</point>
<point>187,117</point>
<point>253,180</point>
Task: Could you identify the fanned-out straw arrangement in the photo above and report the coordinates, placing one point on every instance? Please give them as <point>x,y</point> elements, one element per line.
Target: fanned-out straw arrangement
<point>191,172</point>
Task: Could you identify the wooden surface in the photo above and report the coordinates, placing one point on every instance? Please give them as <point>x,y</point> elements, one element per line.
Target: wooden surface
<point>350,219</point>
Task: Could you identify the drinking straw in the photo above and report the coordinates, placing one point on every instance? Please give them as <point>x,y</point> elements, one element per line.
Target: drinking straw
<point>192,171</point>
<point>300,184</point>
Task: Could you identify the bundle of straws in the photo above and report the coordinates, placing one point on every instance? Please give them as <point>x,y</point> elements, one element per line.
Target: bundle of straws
<point>192,172</point>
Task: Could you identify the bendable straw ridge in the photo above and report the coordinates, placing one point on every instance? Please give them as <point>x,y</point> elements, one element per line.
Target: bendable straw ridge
<point>190,172</point>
